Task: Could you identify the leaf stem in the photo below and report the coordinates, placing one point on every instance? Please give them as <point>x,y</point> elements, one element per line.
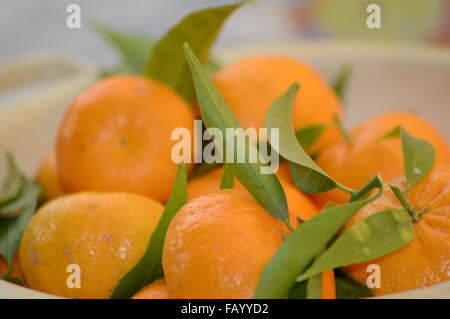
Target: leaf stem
<point>345,188</point>
<point>400,196</point>
<point>341,127</point>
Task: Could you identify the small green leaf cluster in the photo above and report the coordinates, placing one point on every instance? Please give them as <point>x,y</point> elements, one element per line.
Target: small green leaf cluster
<point>18,201</point>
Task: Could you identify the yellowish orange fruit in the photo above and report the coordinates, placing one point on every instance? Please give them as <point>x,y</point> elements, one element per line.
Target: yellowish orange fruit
<point>156,290</point>
<point>48,178</point>
<point>104,234</point>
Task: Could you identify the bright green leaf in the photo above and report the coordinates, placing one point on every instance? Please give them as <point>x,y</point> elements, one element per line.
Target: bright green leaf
<point>311,178</point>
<point>418,158</point>
<point>375,236</point>
<point>149,268</point>
<point>167,62</point>
<point>265,188</point>
<point>418,155</point>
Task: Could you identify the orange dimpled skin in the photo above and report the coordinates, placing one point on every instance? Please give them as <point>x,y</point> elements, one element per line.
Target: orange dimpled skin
<point>116,136</point>
<point>48,178</point>
<point>328,285</point>
<point>425,261</point>
<point>156,290</point>
<point>250,85</point>
<point>354,162</point>
<point>104,234</point>
<point>217,246</point>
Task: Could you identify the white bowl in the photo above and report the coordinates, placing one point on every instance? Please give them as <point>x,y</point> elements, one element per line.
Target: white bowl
<point>384,78</point>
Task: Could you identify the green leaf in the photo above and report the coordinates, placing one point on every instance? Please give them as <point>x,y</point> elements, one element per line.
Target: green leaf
<point>13,182</point>
<point>341,81</point>
<point>303,245</point>
<point>298,291</point>
<point>377,235</point>
<point>167,62</point>
<point>149,268</point>
<point>395,132</point>
<point>16,212</point>
<point>418,155</point>
<point>308,176</point>
<point>349,288</point>
<point>308,135</point>
<point>265,188</point>
<point>314,287</point>
<point>418,158</point>
<point>203,168</point>
<point>134,49</point>
<point>227,180</point>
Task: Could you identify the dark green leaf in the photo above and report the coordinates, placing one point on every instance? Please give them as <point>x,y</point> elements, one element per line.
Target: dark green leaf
<point>167,62</point>
<point>307,136</point>
<point>149,268</point>
<point>265,188</point>
<point>204,168</point>
<point>13,182</point>
<point>134,49</point>
<point>308,176</point>
<point>298,291</point>
<point>349,288</point>
<point>301,247</point>
<point>377,235</point>
<point>227,180</point>
<point>341,81</point>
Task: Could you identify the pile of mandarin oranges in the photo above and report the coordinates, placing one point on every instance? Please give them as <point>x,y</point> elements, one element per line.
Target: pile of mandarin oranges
<point>110,174</point>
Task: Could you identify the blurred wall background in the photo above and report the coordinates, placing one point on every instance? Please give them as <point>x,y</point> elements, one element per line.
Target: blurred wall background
<point>41,25</point>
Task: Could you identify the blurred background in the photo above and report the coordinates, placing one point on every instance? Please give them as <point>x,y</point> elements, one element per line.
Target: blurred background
<point>41,25</point>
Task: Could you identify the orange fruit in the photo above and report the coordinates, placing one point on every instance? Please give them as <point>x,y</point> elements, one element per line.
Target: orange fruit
<point>217,246</point>
<point>299,204</point>
<point>156,290</point>
<point>48,178</point>
<point>354,162</point>
<point>250,85</point>
<point>425,260</point>
<point>116,136</point>
<point>104,234</point>
<point>328,285</point>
